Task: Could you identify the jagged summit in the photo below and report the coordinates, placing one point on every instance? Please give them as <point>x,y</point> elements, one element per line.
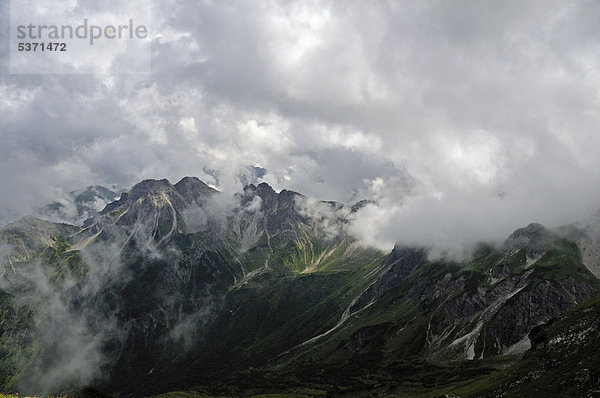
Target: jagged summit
<point>188,279</point>
<point>192,189</point>
<point>269,197</point>
<point>149,186</point>
<point>263,189</point>
<point>527,232</point>
<point>526,235</point>
<point>535,237</point>
<point>192,184</point>
<point>360,204</point>
<point>187,190</point>
<point>140,190</point>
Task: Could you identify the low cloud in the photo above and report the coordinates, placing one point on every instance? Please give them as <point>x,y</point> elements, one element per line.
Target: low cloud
<point>460,123</point>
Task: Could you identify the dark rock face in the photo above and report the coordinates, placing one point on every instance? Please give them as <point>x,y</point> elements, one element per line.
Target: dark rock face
<point>240,290</point>
<point>359,205</point>
<point>399,264</point>
<point>535,237</point>
<point>474,314</point>
<point>367,336</point>
<point>110,207</point>
<point>188,191</point>
<point>193,190</point>
<point>267,195</point>
<point>534,307</point>
<point>149,187</point>
<point>563,360</point>
<point>504,315</point>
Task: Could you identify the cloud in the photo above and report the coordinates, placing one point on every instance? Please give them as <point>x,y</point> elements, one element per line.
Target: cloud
<point>462,121</point>
<point>70,341</point>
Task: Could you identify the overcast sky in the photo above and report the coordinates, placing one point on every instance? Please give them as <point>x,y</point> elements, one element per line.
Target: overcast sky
<point>463,119</point>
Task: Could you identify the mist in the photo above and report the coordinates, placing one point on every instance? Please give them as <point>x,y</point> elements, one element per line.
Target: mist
<point>459,123</point>
<point>71,312</point>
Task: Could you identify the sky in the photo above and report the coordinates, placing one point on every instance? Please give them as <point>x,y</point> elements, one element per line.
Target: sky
<point>462,120</point>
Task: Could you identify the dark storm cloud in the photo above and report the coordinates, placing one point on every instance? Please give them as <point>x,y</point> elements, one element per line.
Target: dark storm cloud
<point>462,119</point>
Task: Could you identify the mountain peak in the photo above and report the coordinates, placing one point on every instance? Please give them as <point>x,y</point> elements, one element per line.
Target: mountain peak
<point>523,236</point>
<point>535,237</point>
<point>287,194</point>
<point>188,190</point>
<point>263,190</point>
<point>360,204</point>
<point>150,186</point>
<point>140,190</point>
<point>264,187</point>
<point>190,180</point>
<point>192,187</point>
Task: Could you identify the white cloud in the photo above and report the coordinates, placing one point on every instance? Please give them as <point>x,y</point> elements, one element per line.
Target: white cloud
<point>478,118</point>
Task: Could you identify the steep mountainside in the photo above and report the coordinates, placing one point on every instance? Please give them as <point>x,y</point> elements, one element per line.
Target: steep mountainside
<point>564,359</point>
<point>178,286</point>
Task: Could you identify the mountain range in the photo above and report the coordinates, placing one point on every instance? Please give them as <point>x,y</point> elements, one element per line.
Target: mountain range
<point>181,288</point>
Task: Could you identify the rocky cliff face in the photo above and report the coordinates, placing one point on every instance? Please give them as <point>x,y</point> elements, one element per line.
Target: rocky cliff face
<point>563,359</point>
<point>145,277</point>
<point>173,282</point>
<point>473,311</point>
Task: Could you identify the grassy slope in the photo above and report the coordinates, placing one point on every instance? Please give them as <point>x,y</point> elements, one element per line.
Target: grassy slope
<point>388,363</point>
<point>283,308</point>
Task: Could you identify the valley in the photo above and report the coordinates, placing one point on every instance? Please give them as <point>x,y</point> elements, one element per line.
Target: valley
<point>176,288</point>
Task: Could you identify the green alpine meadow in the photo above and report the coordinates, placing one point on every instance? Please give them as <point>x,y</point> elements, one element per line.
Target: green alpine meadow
<point>301,199</point>
<point>171,290</point>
